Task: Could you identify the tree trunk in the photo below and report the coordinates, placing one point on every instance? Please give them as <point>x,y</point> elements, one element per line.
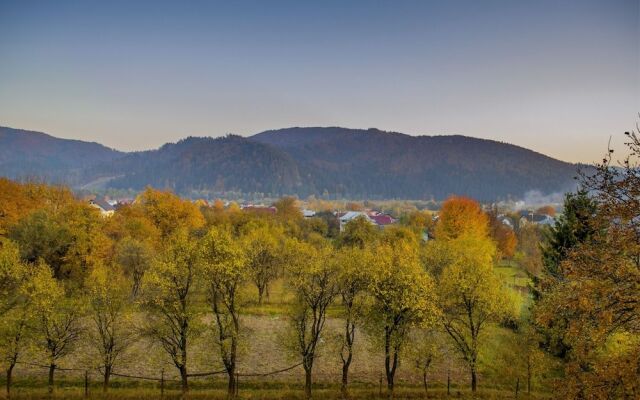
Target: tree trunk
<point>345,376</point>
<point>231,386</point>
<point>107,376</point>
<point>424,381</point>
<point>307,381</point>
<point>183,379</point>
<point>474,380</point>
<point>9,377</point>
<point>260,294</point>
<point>517,386</point>
<point>52,369</point>
<point>389,364</point>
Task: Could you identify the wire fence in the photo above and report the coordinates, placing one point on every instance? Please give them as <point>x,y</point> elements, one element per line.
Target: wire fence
<point>162,380</point>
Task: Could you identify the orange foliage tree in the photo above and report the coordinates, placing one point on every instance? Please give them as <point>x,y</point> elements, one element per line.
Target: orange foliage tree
<point>461,216</point>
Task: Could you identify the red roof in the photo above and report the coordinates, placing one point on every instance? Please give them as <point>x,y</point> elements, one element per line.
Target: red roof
<point>383,219</point>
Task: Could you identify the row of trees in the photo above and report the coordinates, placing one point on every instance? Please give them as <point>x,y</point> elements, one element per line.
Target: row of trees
<point>67,273</point>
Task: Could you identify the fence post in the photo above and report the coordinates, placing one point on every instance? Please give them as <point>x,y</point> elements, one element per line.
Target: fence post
<point>86,383</point>
<point>162,383</point>
<point>448,382</point>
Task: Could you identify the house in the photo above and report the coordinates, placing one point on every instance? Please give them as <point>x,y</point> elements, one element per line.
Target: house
<point>308,213</point>
<point>349,216</point>
<point>106,209</point>
<point>383,220</point>
<point>374,218</point>
<point>506,221</point>
<point>530,217</point>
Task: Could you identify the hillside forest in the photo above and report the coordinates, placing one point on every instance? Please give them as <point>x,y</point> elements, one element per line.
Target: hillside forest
<point>221,302</point>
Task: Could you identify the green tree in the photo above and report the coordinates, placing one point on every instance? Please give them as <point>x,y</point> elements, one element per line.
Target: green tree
<point>112,317</point>
<point>353,279</point>
<point>313,278</point>
<point>12,275</point>
<point>225,268</point>
<point>169,296</point>
<point>358,232</point>
<point>58,316</point>
<point>403,298</point>
<point>471,296</point>
<point>265,256</point>
<point>134,256</point>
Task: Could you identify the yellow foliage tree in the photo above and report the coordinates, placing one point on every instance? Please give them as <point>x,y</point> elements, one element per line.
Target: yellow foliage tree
<point>169,212</point>
<point>112,317</point>
<point>403,298</point>
<point>169,289</point>
<point>471,295</point>
<point>313,277</point>
<point>225,271</point>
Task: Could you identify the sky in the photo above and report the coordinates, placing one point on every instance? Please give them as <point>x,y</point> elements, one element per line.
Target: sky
<point>558,77</point>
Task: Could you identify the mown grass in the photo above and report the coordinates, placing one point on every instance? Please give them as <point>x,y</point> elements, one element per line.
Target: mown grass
<point>259,390</point>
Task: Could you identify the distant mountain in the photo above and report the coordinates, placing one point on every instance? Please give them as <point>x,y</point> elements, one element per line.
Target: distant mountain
<point>376,164</point>
<point>29,154</point>
<point>228,164</point>
<point>334,162</point>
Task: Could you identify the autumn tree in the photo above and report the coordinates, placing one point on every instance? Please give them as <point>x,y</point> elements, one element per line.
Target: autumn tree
<point>58,317</point>
<point>287,209</point>
<point>312,276</point>
<point>471,296</point>
<point>503,235</point>
<point>353,279</point>
<point>69,239</point>
<point>169,297</point>
<point>597,296</point>
<point>112,317</point>
<point>15,310</point>
<point>470,293</point>
<point>264,246</point>
<point>168,212</point>
<point>403,298</point>
<point>461,216</point>
<point>134,256</point>
<point>427,347</point>
<point>12,275</point>
<point>522,360</point>
<point>547,210</point>
<point>358,233</point>
<point>225,271</point>
<point>17,200</point>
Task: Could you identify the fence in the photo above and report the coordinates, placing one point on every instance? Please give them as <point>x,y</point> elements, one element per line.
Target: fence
<point>161,379</point>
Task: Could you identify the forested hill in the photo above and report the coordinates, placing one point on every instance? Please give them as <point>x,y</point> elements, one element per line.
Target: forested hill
<point>338,162</point>
<point>228,164</point>
<point>29,154</point>
<point>373,163</point>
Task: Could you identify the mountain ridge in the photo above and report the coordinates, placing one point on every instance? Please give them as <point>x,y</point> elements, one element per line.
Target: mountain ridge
<point>324,161</point>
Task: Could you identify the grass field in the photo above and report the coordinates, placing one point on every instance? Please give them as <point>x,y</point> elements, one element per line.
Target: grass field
<point>264,349</point>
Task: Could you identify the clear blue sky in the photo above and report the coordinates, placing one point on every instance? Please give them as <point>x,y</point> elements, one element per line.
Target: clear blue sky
<point>559,77</point>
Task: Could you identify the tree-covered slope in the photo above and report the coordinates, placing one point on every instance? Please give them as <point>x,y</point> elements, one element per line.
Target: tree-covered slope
<point>28,154</point>
<point>377,164</point>
<point>228,164</point>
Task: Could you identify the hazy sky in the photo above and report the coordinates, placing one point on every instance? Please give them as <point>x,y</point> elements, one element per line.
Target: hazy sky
<point>559,77</point>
